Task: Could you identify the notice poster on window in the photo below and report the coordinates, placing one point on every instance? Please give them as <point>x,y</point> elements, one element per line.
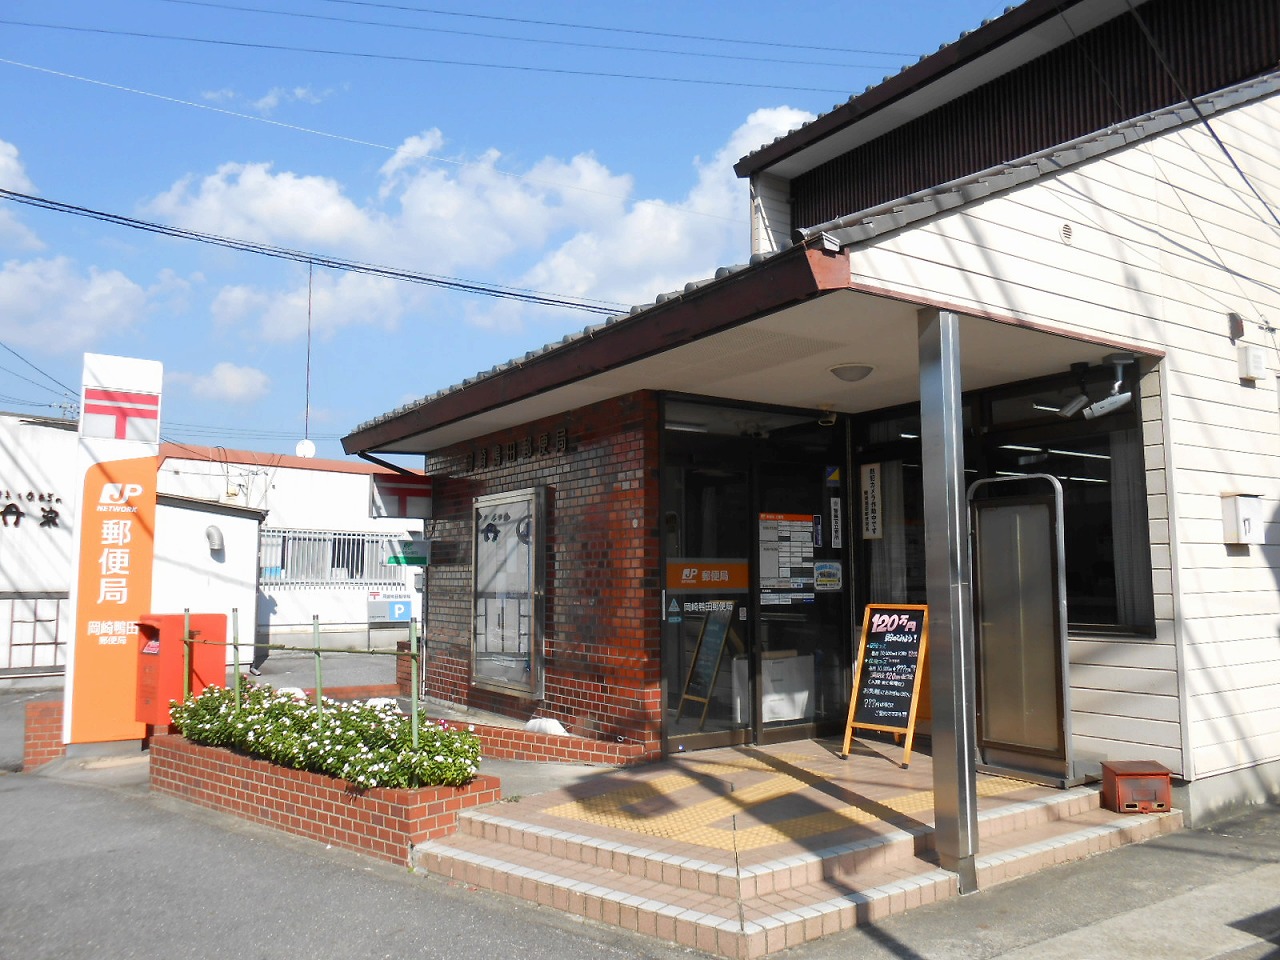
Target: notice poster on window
<point>786,558</point>
<point>871,507</point>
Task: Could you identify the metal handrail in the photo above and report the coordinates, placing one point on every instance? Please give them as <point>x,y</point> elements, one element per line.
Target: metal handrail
<point>315,649</point>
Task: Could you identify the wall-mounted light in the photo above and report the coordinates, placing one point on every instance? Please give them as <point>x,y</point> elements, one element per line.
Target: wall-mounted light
<point>851,372</point>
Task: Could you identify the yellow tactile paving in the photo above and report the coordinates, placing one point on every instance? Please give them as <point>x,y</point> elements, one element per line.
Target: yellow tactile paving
<point>711,823</point>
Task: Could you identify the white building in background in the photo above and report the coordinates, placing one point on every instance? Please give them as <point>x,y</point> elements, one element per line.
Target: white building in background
<point>37,541</point>
<point>269,540</point>
<point>336,544</point>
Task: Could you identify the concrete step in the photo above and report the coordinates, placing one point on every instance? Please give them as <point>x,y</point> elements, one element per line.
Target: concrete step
<point>502,825</point>
<point>747,910</point>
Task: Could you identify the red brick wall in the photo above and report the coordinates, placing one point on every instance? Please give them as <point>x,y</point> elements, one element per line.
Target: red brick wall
<point>602,626</point>
<point>507,743</point>
<point>42,731</point>
<point>42,734</point>
<point>385,823</point>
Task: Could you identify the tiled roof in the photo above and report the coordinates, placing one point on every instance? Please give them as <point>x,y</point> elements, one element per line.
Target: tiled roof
<point>920,206</point>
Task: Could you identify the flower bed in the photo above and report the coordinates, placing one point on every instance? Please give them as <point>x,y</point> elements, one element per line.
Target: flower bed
<point>384,822</point>
<point>369,744</point>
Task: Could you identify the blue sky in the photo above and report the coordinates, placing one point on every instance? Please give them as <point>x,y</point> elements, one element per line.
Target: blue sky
<point>579,150</point>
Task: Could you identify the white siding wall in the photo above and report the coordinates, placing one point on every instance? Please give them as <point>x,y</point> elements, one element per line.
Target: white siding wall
<point>770,214</point>
<point>1166,240</point>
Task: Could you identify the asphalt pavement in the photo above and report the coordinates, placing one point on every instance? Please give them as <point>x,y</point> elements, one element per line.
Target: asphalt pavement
<point>92,865</point>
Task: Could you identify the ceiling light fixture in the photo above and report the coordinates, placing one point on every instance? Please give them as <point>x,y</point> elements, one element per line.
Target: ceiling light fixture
<point>682,427</point>
<point>851,372</point>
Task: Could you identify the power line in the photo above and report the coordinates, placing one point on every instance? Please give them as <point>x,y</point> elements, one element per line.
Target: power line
<point>1182,91</point>
<point>47,376</point>
<point>405,58</point>
<point>204,429</point>
<point>4,398</point>
<point>546,41</point>
<point>499,291</point>
<point>646,33</point>
<point>536,181</point>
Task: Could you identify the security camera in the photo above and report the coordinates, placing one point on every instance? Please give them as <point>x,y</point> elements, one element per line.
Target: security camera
<point>828,418</point>
<point>1074,405</point>
<point>1107,405</point>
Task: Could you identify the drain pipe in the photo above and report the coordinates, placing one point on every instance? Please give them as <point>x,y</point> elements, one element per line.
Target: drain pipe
<point>395,467</point>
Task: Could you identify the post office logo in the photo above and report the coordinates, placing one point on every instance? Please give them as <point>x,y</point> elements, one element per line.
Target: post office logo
<point>116,496</point>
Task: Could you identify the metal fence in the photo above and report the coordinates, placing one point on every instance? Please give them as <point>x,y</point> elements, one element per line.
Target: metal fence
<point>322,557</point>
<point>315,650</point>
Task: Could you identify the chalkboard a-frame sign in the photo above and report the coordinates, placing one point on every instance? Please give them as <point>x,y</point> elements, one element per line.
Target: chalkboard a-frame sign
<point>707,656</point>
<point>886,679</point>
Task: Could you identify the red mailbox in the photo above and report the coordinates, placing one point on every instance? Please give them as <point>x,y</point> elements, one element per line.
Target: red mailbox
<point>161,658</point>
<point>1136,786</point>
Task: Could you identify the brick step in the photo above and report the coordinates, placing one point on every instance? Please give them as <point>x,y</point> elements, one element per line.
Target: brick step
<point>739,913</point>
<point>506,825</point>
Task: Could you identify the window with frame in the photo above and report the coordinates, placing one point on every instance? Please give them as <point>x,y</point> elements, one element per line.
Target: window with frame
<point>1098,462</point>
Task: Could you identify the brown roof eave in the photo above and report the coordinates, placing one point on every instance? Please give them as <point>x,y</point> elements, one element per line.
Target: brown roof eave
<point>801,272</point>
<point>927,71</point>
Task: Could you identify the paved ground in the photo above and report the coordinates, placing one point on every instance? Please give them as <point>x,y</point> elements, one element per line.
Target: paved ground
<point>92,865</point>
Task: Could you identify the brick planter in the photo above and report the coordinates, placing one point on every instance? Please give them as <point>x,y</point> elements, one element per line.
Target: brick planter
<point>507,743</point>
<point>42,734</point>
<point>386,823</point>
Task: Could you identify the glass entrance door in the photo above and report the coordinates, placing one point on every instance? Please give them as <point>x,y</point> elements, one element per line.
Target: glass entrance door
<point>705,632</point>
<point>755,603</point>
<point>800,672</point>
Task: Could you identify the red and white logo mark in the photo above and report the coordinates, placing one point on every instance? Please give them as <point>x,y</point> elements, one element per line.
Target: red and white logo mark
<point>120,415</point>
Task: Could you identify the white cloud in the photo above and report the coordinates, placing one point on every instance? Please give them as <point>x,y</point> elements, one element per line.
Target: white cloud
<point>52,305</point>
<point>225,95</point>
<point>225,383</point>
<point>250,202</point>
<point>659,246</point>
<point>337,301</point>
<point>408,157</point>
<point>570,227</point>
<point>13,176</point>
<point>268,103</point>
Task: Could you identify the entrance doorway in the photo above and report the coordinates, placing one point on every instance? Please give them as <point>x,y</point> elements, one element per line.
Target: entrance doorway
<point>755,625</point>
<point>1021,640</point>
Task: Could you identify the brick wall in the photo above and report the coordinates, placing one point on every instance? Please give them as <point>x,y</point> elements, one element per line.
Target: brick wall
<point>42,734</point>
<point>603,588</point>
<point>383,822</point>
<point>42,726</point>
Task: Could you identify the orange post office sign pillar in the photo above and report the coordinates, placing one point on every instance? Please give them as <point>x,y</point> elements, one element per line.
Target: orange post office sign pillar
<point>117,536</point>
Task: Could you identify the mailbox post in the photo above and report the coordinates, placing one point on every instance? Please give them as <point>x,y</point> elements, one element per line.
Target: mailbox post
<point>162,660</point>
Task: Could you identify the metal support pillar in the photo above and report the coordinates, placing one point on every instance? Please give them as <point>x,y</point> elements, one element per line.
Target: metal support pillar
<point>947,577</point>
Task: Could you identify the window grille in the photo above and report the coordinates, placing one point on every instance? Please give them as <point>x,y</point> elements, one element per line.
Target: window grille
<point>324,557</point>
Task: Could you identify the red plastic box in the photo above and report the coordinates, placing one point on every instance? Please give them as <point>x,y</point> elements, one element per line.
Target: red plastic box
<point>161,659</point>
<point>1136,786</point>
